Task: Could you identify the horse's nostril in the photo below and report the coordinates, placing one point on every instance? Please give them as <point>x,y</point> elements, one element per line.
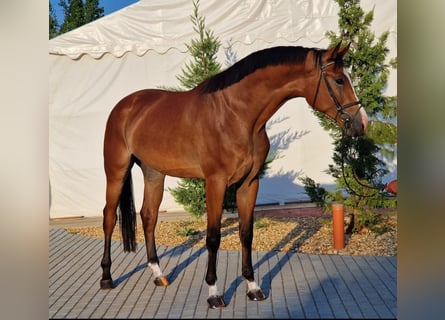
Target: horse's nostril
<point>364,123</point>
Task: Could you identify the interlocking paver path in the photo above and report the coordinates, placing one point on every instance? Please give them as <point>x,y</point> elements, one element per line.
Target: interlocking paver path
<point>297,285</point>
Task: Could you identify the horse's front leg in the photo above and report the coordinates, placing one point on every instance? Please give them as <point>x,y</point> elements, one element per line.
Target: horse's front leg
<point>153,192</point>
<point>215,190</point>
<point>246,197</point>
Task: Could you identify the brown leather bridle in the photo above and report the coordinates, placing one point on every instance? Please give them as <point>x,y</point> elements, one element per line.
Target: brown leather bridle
<point>344,116</point>
<point>346,119</point>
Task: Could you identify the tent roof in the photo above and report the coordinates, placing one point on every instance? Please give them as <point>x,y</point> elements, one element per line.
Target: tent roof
<point>162,24</point>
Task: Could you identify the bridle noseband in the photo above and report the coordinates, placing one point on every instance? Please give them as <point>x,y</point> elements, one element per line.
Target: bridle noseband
<point>344,116</point>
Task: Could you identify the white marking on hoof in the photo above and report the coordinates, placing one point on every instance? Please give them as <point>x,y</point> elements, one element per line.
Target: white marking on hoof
<point>213,291</point>
<point>252,285</point>
<point>155,269</point>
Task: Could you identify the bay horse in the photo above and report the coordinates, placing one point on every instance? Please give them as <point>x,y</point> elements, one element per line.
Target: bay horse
<point>216,132</point>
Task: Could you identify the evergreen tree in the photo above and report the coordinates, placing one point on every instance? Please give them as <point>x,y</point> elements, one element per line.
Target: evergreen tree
<point>191,192</point>
<point>74,15</point>
<point>357,167</point>
<point>203,50</point>
<point>77,13</point>
<point>53,23</point>
<point>92,10</point>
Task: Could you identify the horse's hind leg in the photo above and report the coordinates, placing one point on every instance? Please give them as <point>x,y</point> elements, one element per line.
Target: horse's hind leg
<point>153,192</point>
<point>246,196</point>
<point>114,186</point>
<point>117,162</point>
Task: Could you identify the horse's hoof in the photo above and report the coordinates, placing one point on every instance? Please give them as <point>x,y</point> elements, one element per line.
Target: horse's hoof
<point>106,284</point>
<point>256,295</point>
<point>216,302</point>
<point>161,281</point>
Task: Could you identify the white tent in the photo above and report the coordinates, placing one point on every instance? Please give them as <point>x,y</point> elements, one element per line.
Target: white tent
<point>144,45</point>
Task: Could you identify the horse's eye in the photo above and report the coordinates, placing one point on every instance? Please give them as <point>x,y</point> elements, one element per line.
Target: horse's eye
<point>339,81</point>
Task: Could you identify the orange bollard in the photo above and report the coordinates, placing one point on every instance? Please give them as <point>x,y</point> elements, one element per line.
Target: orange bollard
<point>338,225</point>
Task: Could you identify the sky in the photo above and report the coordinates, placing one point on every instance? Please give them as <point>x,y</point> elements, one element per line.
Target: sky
<point>108,5</point>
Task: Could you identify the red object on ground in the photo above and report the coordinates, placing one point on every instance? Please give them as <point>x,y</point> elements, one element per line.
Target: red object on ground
<point>392,187</point>
<point>338,225</point>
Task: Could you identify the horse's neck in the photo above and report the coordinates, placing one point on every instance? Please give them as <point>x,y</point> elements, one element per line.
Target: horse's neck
<point>262,93</point>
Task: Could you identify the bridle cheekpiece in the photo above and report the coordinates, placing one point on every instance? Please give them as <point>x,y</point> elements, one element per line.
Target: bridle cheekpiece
<point>344,116</point>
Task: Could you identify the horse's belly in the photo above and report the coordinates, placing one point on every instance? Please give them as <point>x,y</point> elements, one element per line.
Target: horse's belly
<point>170,163</point>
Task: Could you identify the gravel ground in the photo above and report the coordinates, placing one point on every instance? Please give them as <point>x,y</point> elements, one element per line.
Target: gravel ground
<point>303,234</point>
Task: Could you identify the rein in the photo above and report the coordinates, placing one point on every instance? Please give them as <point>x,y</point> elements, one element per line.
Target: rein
<point>344,159</point>
<point>346,118</point>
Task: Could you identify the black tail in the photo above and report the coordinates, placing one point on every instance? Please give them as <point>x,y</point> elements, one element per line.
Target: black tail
<point>127,214</point>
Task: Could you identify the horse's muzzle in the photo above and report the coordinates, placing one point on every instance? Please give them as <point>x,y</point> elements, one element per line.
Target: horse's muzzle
<point>356,126</point>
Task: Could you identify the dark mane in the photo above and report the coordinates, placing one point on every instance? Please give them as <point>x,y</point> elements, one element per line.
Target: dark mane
<point>257,60</point>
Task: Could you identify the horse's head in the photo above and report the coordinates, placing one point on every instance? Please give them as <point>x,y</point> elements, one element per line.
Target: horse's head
<point>334,94</point>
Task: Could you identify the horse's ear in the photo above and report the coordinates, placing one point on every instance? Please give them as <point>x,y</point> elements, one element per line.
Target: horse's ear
<point>342,51</point>
<point>337,52</point>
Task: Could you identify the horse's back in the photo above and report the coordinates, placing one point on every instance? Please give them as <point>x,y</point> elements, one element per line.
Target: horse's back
<point>143,107</point>
<point>141,99</point>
